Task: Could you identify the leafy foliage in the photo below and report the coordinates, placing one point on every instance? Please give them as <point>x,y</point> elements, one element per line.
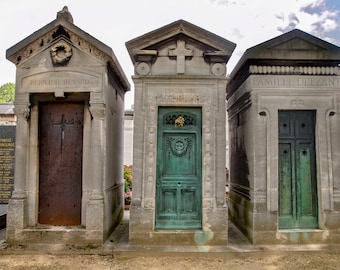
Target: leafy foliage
<point>7,92</point>
<point>127,184</point>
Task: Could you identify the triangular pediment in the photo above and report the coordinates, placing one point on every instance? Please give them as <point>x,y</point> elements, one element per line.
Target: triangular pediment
<point>148,45</point>
<point>62,34</point>
<point>293,48</point>
<point>299,44</point>
<point>294,45</point>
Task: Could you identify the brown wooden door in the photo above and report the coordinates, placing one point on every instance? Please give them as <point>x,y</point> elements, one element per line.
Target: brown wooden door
<point>60,163</point>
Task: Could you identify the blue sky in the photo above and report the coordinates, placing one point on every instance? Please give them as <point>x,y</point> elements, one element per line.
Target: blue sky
<point>244,22</point>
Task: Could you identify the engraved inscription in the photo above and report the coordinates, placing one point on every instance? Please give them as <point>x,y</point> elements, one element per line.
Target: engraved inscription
<point>59,80</point>
<point>7,156</point>
<point>297,102</point>
<point>295,82</point>
<point>181,98</point>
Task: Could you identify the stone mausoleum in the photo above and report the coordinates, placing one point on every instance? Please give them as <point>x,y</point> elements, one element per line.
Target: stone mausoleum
<point>179,159</point>
<point>284,125</point>
<point>69,105</point>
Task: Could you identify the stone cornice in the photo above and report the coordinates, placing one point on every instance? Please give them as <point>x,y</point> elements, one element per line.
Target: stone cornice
<point>294,70</point>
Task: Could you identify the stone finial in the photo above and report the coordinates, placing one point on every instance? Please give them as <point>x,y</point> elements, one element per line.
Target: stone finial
<point>64,14</point>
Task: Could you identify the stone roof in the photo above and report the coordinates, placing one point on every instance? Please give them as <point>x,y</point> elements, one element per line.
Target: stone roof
<point>63,25</point>
<point>296,49</point>
<point>144,48</point>
<point>6,108</point>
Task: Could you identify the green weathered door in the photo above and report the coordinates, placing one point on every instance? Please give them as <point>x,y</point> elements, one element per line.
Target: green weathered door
<point>297,170</point>
<point>179,170</point>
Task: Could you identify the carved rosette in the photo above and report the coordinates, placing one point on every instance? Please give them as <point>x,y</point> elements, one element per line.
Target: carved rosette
<point>218,69</point>
<point>143,68</point>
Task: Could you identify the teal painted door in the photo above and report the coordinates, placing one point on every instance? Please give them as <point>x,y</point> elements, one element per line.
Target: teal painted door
<point>179,169</point>
<point>297,170</point>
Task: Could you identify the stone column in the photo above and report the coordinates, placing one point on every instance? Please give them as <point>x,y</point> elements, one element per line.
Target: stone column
<point>95,207</point>
<point>17,212</point>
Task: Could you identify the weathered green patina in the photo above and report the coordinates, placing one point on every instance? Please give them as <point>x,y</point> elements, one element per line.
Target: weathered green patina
<point>297,170</point>
<point>179,169</point>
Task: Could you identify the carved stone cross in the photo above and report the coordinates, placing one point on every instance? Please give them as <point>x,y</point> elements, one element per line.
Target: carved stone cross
<point>62,126</point>
<point>180,52</point>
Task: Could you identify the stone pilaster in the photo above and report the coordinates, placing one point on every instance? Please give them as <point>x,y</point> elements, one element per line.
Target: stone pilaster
<point>95,207</point>
<point>17,212</point>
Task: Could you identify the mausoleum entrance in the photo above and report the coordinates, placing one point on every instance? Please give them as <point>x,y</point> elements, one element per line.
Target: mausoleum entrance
<point>179,169</point>
<point>60,163</point>
<point>297,170</point>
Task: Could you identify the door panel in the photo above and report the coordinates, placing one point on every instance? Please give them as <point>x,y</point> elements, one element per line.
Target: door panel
<point>297,170</point>
<point>60,163</point>
<point>178,187</point>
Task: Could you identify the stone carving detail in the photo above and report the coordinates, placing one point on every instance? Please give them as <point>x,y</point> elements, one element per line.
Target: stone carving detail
<point>294,70</point>
<point>97,111</point>
<point>181,53</point>
<point>39,44</point>
<point>142,68</point>
<point>61,53</point>
<point>22,111</point>
<point>179,146</point>
<point>32,48</point>
<point>87,47</point>
<point>218,69</point>
<point>149,203</point>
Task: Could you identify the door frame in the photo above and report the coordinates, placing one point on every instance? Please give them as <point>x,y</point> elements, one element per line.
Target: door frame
<point>35,99</point>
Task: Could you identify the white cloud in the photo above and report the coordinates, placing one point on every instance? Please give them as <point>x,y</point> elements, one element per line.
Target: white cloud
<point>253,22</point>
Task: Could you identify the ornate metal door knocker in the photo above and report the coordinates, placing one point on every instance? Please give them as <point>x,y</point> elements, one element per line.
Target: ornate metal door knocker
<point>179,122</point>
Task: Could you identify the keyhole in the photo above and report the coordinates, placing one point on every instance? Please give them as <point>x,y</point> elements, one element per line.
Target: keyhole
<point>284,125</point>
<point>304,152</point>
<point>303,125</point>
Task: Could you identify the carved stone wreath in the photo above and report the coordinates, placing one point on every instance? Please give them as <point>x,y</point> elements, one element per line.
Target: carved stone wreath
<point>61,53</point>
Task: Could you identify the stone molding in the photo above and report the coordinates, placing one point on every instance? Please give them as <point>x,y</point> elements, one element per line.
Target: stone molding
<point>294,70</point>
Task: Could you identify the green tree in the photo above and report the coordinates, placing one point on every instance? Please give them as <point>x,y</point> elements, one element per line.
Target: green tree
<point>7,92</point>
